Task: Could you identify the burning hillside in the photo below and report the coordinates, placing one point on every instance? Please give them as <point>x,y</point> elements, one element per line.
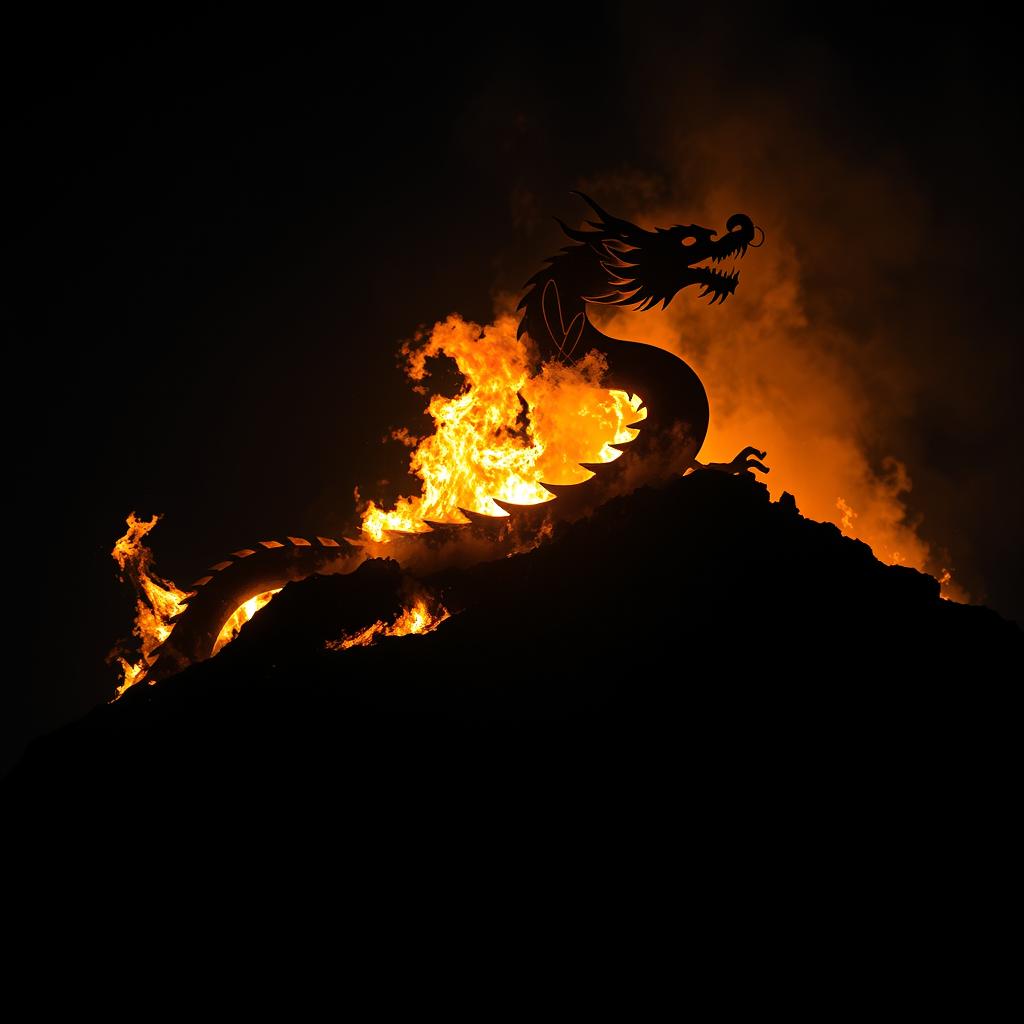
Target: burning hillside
<point>608,644</point>
<point>552,398</point>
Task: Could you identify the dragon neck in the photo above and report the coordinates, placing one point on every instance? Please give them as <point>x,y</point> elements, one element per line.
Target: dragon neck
<point>555,317</point>
<point>555,305</point>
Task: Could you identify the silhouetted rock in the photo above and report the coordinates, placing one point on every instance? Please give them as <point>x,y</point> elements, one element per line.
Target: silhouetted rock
<point>691,629</point>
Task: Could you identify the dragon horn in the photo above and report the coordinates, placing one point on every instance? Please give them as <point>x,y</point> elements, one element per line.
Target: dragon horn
<point>608,221</point>
<point>590,237</point>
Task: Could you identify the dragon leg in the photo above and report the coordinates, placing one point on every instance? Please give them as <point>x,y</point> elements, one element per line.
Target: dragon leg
<point>741,463</point>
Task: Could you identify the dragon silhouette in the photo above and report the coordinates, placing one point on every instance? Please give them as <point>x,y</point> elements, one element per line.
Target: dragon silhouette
<point>612,262</point>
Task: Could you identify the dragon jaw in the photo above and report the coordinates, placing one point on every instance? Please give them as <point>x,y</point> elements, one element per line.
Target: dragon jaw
<point>644,267</point>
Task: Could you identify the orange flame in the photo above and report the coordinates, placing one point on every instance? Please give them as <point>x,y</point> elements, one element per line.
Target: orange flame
<point>417,618</point>
<point>507,431</point>
<point>157,601</point>
<point>847,516</point>
<point>240,616</point>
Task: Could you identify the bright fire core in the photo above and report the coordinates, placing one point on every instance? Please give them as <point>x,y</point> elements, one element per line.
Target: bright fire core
<point>241,615</point>
<point>506,432</point>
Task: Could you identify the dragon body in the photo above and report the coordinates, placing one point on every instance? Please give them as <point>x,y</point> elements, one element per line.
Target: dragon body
<point>612,262</point>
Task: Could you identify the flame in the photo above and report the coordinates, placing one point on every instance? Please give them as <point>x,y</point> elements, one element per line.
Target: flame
<point>416,618</point>
<point>240,616</point>
<point>157,600</point>
<point>847,516</point>
<point>507,431</point>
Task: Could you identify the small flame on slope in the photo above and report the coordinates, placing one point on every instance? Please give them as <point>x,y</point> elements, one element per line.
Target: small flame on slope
<point>157,600</point>
<point>416,618</point>
<point>847,516</point>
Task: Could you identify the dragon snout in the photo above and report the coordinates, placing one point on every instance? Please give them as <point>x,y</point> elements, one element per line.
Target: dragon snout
<point>741,224</point>
<point>740,233</point>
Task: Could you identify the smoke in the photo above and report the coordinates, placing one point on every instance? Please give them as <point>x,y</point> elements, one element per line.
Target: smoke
<point>871,346</point>
<point>793,363</point>
<point>802,360</point>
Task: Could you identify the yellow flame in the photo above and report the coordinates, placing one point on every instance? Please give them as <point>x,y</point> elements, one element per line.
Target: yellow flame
<point>240,616</point>
<point>157,601</point>
<point>507,431</point>
<point>417,618</point>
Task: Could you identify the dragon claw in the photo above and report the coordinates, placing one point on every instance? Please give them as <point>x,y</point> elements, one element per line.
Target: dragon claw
<point>745,462</point>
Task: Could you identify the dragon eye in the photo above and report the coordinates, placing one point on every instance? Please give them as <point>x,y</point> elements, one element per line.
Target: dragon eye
<point>689,239</point>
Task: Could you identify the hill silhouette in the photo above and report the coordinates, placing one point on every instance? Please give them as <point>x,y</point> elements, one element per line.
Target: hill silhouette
<point>679,633</point>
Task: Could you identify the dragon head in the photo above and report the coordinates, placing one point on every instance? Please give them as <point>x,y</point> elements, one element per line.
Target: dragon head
<point>647,267</point>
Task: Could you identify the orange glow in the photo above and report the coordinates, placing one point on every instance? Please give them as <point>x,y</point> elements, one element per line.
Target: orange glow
<point>773,382</point>
<point>795,385</point>
<point>489,444</point>
<point>240,616</point>
<point>416,618</point>
<point>157,601</point>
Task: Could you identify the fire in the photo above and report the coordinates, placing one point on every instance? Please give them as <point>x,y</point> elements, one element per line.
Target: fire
<point>847,516</point>
<point>240,616</point>
<point>417,618</point>
<point>157,600</point>
<point>507,431</point>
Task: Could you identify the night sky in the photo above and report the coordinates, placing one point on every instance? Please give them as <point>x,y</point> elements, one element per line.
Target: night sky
<point>231,225</point>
